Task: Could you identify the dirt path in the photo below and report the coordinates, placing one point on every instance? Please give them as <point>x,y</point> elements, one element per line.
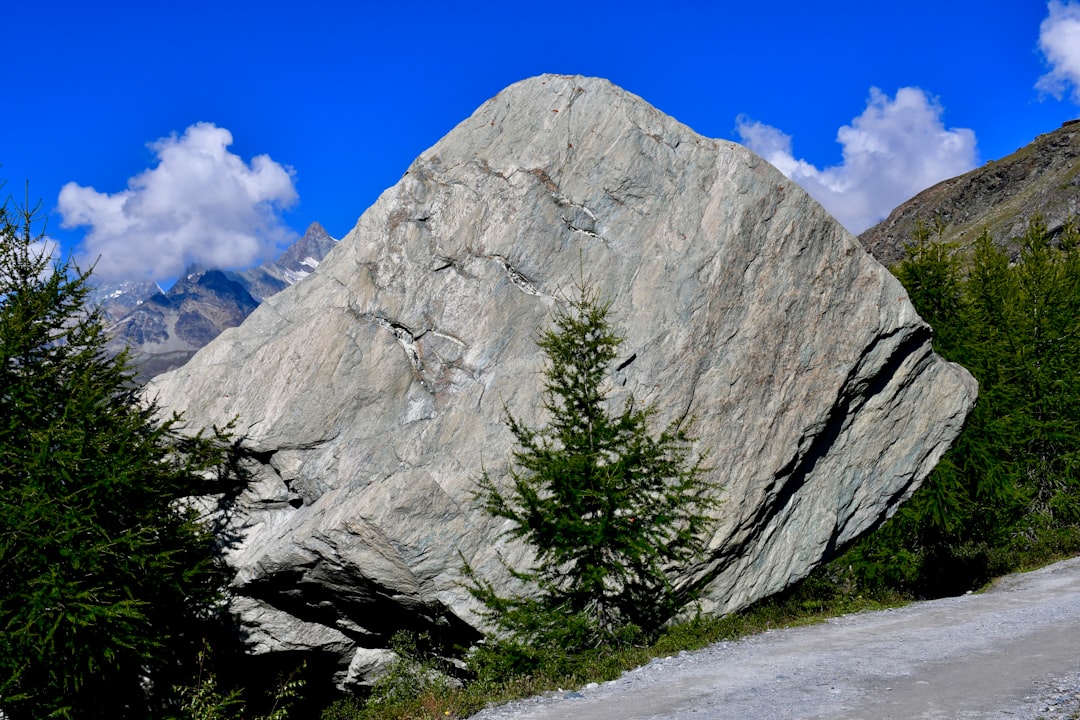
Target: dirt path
<point>991,655</point>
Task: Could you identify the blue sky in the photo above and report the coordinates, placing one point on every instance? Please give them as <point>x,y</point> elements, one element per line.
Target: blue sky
<point>158,134</point>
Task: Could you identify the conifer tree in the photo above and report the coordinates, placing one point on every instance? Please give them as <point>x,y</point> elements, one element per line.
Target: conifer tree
<point>1025,319</point>
<point>933,277</point>
<point>608,509</point>
<point>107,577</point>
<point>1009,488</point>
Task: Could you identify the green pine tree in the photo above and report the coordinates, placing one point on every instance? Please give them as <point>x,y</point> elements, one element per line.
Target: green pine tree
<point>608,509</point>
<point>1026,321</point>
<point>932,274</point>
<point>107,577</point>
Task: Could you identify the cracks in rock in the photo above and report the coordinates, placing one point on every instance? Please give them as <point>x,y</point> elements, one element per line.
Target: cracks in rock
<point>429,368</point>
<point>580,217</point>
<point>439,263</point>
<point>857,394</point>
<point>448,336</point>
<point>407,340</point>
<point>583,219</point>
<point>404,336</point>
<point>657,137</point>
<point>485,168</point>
<point>854,394</point>
<point>626,194</point>
<point>568,110</point>
<point>590,233</point>
<point>400,216</point>
<point>588,213</point>
<point>520,281</point>
<point>574,95</point>
<point>545,180</point>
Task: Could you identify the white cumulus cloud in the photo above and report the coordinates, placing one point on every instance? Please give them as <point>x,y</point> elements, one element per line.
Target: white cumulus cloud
<point>896,148</point>
<point>200,204</point>
<point>1059,40</point>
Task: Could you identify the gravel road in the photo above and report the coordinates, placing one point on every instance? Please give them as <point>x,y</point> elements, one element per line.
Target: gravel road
<point>1012,652</point>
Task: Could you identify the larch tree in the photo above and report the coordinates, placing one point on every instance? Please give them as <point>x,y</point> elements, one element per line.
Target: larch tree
<point>108,576</point>
<point>609,510</point>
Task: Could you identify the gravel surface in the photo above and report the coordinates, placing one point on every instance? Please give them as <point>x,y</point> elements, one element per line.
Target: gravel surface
<point>1011,652</point>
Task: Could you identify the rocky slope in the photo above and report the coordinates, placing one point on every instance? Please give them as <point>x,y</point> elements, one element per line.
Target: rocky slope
<point>118,299</point>
<point>372,394</point>
<point>164,331</point>
<point>999,197</point>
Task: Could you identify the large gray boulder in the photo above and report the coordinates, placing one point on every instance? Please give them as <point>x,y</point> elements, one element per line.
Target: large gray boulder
<point>371,394</point>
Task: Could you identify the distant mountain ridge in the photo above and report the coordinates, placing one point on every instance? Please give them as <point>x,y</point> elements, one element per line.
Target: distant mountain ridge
<point>297,262</point>
<point>163,329</point>
<point>1000,197</point>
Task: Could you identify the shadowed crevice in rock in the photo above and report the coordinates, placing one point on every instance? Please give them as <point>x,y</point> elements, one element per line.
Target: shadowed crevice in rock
<point>364,611</point>
<point>792,478</point>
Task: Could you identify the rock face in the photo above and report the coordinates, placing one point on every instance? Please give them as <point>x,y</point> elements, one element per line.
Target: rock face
<point>372,393</point>
<point>999,197</point>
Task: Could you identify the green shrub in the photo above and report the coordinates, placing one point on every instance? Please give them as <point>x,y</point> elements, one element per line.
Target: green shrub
<point>205,700</point>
